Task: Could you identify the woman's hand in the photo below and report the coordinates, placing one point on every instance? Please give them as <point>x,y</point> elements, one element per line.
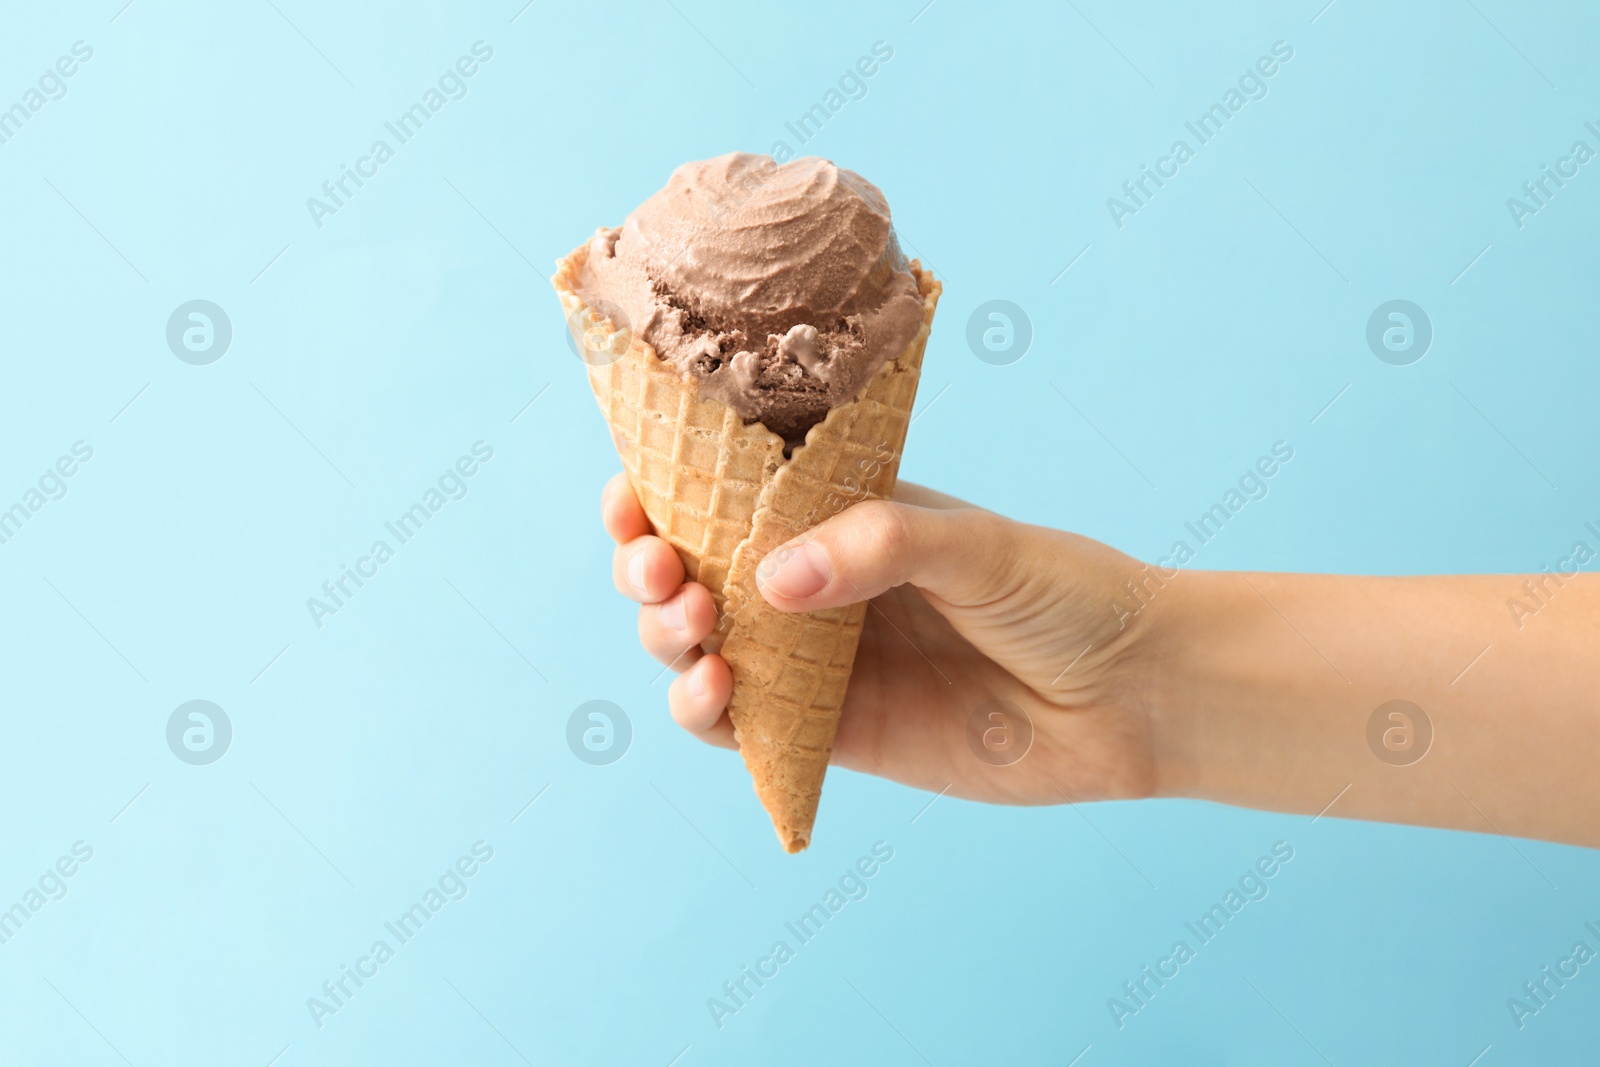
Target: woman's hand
<point>981,630</point>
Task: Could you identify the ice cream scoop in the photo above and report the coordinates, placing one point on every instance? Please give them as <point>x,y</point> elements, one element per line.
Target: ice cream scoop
<point>780,288</point>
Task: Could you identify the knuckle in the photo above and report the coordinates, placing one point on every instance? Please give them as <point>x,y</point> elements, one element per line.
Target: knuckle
<point>882,525</point>
<point>882,534</point>
<point>986,525</point>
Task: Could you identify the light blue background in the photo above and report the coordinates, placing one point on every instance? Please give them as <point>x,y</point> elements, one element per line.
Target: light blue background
<point>370,353</point>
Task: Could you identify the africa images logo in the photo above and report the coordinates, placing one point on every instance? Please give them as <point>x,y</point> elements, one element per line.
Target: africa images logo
<point>453,484</point>
<point>452,85</point>
<point>1251,886</point>
<point>51,86</point>
<point>1252,85</point>
<point>199,332</point>
<point>199,732</point>
<point>852,885</point>
<point>452,885</point>
<point>1399,332</point>
<point>599,733</point>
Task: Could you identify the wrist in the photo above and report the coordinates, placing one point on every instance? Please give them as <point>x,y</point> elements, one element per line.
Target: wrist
<point>1147,638</point>
<point>1190,677</point>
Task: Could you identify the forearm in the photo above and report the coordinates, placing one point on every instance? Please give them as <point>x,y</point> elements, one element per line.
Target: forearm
<point>1263,685</point>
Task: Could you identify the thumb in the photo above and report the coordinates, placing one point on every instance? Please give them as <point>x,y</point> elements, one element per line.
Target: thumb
<point>959,555</point>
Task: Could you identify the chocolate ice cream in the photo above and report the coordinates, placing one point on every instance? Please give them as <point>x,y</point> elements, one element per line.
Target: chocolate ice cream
<point>781,288</point>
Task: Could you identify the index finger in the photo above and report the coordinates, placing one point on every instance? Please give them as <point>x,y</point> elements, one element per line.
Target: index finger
<point>620,511</point>
<point>923,497</point>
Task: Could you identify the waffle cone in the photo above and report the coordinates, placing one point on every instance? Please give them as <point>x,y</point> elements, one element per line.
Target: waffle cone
<point>722,494</point>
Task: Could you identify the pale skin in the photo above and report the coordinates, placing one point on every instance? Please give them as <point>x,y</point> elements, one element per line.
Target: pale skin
<point>1251,689</point>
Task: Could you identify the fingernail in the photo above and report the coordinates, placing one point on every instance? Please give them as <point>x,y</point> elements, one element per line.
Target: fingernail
<point>797,570</point>
<point>672,614</point>
<point>695,680</point>
<point>636,571</point>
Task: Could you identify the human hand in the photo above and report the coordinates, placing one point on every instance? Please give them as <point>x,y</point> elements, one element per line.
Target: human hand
<point>968,608</point>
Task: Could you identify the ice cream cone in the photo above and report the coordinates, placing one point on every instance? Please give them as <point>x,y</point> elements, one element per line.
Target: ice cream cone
<point>722,493</point>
